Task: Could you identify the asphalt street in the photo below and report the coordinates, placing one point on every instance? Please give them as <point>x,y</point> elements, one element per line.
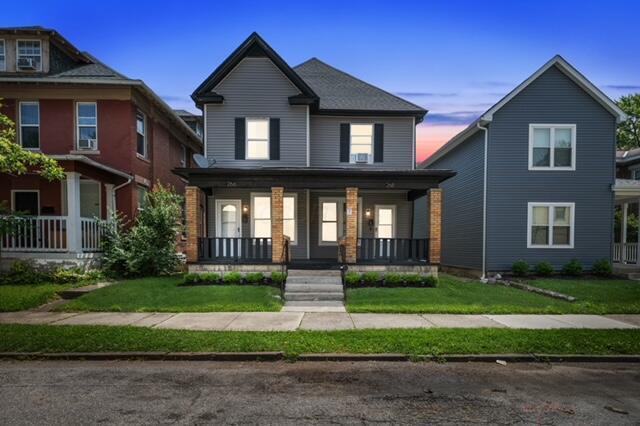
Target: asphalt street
<point>143,392</point>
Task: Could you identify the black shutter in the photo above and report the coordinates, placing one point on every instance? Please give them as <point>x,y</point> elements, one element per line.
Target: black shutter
<point>345,142</point>
<point>274,139</point>
<point>378,143</point>
<point>240,138</point>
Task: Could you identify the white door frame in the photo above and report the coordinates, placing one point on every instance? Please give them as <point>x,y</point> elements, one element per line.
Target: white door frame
<point>394,218</point>
<point>238,204</point>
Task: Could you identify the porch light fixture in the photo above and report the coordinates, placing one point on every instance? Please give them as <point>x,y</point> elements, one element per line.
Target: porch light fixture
<point>245,209</point>
<point>367,213</point>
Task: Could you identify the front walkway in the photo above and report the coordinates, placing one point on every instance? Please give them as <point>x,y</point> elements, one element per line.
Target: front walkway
<point>291,321</point>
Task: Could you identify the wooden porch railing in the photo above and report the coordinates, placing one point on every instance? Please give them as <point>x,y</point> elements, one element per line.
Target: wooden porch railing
<point>625,252</point>
<point>236,250</point>
<point>393,250</point>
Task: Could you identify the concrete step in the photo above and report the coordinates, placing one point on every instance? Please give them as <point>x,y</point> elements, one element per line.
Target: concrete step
<point>314,306</point>
<point>313,273</point>
<point>314,288</point>
<point>309,296</point>
<point>313,280</point>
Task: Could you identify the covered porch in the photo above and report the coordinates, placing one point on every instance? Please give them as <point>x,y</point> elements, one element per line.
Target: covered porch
<point>312,217</point>
<point>626,230</point>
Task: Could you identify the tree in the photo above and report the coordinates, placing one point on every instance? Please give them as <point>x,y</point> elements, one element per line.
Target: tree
<point>629,130</point>
<point>16,160</point>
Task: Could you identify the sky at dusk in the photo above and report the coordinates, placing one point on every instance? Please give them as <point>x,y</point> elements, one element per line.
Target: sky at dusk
<point>454,58</point>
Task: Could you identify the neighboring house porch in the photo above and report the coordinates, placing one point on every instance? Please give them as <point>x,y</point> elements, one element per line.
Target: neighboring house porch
<point>59,221</point>
<point>327,216</point>
<point>627,213</point>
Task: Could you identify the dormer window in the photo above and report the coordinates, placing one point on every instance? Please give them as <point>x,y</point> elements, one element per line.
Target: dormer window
<point>29,55</point>
<point>3,56</point>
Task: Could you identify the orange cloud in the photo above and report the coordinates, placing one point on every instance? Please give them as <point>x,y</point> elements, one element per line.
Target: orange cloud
<point>430,137</point>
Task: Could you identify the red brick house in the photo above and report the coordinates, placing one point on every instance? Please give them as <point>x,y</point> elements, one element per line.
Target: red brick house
<point>113,135</point>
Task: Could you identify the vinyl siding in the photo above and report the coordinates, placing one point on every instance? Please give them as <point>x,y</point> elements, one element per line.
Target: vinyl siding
<point>325,141</point>
<point>256,88</point>
<point>421,218</point>
<point>462,204</point>
<point>552,98</point>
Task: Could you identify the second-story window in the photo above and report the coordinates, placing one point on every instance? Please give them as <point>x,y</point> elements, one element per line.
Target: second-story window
<point>552,147</point>
<point>87,125</point>
<point>141,134</point>
<point>30,125</point>
<point>29,55</point>
<point>3,56</point>
<point>361,143</point>
<point>257,139</point>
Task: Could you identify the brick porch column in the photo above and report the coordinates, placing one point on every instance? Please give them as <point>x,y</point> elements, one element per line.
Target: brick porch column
<point>194,221</point>
<point>351,239</point>
<point>277,224</point>
<point>435,225</point>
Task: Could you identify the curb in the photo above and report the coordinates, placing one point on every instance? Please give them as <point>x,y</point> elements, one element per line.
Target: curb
<point>334,357</point>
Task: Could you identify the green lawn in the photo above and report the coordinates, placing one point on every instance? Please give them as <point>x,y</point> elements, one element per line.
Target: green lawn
<point>165,295</point>
<point>460,296</point>
<point>21,297</point>
<point>36,338</point>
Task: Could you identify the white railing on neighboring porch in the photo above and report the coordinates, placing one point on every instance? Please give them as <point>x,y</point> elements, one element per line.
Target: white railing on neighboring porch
<point>47,234</point>
<point>625,252</point>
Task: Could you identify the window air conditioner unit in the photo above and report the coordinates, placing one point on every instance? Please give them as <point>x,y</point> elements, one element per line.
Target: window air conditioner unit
<point>362,158</point>
<point>26,64</point>
<point>87,144</point>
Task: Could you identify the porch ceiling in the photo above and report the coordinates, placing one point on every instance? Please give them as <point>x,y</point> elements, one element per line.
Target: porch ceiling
<point>314,178</point>
<point>627,189</point>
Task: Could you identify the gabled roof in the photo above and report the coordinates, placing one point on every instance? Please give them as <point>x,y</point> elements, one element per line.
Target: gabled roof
<point>557,61</point>
<point>339,91</point>
<point>253,46</point>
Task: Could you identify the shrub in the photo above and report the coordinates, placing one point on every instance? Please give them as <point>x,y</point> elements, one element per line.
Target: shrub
<point>520,268</point>
<point>544,269</point>
<point>23,272</point>
<point>573,268</point>
<point>254,278</point>
<point>233,278</point>
<point>191,278</point>
<point>67,276</point>
<point>371,277</point>
<point>210,278</point>
<point>278,277</point>
<point>393,280</point>
<point>352,279</point>
<point>430,281</point>
<point>413,279</point>
<point>115,248</point>
<point>602,268</point>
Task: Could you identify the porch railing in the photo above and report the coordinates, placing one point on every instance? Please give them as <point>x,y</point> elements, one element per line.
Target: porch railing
<point>393,250</point>
<point>34,233</point>
<point>237,250</point>
<point>91,233</point>
<point>625,252</point>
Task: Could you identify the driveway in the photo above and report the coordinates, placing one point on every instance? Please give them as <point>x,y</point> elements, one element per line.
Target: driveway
<point>317,393</point>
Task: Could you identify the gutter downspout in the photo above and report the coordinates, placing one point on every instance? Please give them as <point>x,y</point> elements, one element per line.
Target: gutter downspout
<point>115,189</point>
<point>484,204</point>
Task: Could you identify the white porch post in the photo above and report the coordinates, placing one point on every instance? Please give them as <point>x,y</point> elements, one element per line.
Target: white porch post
<point>111,199</point>
<point>74,233</point>
<point>625,209</point>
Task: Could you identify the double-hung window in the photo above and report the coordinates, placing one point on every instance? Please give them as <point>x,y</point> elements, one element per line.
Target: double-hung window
<point>552,147</point>
<point>3,57</point>
<point>30,125</point>
<point>551,225</point>
<point>29,55</point>
<point>361,143</point>
<point>87,125</point>
<point>257,139</point>
<point>141,134</point>
<point>261,216</point>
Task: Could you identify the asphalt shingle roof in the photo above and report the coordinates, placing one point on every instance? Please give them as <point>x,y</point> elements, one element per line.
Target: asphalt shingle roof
<point>338,90</point>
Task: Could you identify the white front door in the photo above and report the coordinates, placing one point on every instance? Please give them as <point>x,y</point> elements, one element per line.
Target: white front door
<point>228,223</point>
<point>385,226</point>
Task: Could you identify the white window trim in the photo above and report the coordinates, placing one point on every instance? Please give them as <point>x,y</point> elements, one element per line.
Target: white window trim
<point>20,125</point>
<point>252,195</point>
<point>4,54</point>
<point>18,54</point>
<point>394,208</point>
<point>13,198</point>
<point>341,201</point>
<point>351,155</point>
<point>144,135</point>
<point>95,148</point>
<point>552,128</point>
<point>572,214</point>
<point>246,138</point>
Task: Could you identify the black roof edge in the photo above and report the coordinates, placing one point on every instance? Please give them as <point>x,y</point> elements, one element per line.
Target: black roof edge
<point>301,99</point>
<point>419,115</point>
<point>248,47</point>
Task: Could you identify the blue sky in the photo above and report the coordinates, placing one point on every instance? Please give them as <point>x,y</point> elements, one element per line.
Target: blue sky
<point>455,58</point>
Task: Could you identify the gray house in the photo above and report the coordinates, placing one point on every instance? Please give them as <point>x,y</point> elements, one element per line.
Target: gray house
<point>535,177</point>
<point>307,163</point>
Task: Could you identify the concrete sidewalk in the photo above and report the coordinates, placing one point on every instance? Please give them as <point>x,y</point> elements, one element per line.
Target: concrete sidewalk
<point>290,321</point>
